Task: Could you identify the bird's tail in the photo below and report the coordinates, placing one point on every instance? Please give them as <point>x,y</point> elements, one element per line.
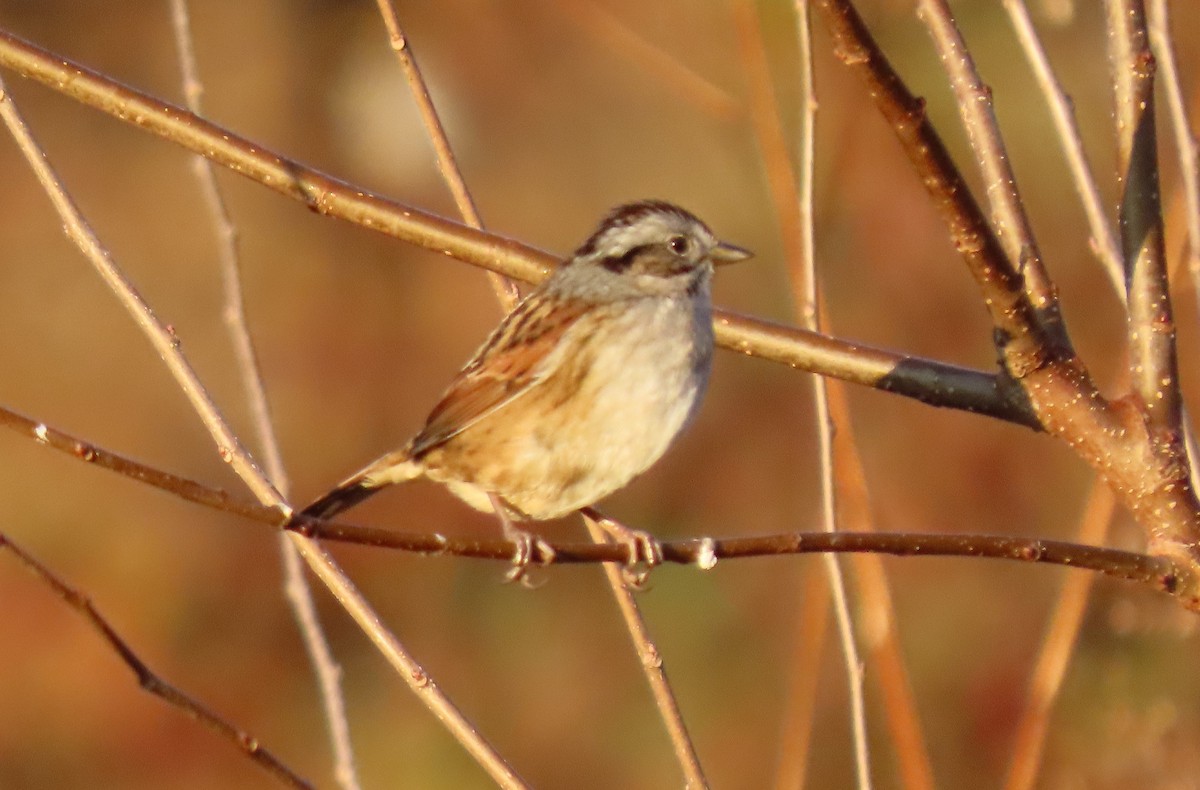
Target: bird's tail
<point>394,467</point>
<point>345,496</point>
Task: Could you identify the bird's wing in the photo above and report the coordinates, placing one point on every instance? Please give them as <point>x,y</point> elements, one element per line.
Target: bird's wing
<point>518,355</point>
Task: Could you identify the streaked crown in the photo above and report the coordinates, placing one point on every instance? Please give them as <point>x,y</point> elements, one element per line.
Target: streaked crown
<point>656,238</point>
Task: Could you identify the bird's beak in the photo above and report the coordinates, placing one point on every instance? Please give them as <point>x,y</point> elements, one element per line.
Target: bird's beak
<point>725,252</point>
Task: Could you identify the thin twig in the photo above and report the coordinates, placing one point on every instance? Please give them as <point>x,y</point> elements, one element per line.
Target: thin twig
<point>651,660</point>
<point>804,277</point>
<point>1062,112</point>
<point>231,449</point>
<point>506,290</point>
<point>1185,142</point>
<point>1189,170</point>
<point>1057,649</point>
<point>407,666</point>
<point>974,100</point>
<point>1160,573</point>
<point>931,382</point>
<point>229,258</point>
<point>295,585</point>
<point>877,618</point>
<point>243,741</point>
<point>1002,285</point>
<point>1153,365</point>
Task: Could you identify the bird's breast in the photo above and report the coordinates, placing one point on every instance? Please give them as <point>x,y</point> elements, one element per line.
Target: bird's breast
<point>640,377</point>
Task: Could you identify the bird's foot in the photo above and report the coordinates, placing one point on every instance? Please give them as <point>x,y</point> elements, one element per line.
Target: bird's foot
<point>643,551</point>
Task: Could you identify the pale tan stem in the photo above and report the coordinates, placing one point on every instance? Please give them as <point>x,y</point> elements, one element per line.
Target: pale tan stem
<point>405,664</point>
<point>1153,364</point>
<point>793,208</point>
<point>1062,112</point>
<point>506,289</point>
<point>1187,150</point>
<point>810,296</point>
<point>651,660</point>
<point>295,586</point>
<point>974,101</point>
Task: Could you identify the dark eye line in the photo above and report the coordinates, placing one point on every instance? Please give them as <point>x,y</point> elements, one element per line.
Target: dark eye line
<point>620,263</point>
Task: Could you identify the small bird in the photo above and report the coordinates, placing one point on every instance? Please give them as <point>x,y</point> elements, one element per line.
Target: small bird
<point>581,388</point>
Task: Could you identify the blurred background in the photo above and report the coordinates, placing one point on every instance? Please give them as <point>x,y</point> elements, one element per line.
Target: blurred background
<point>557,111</point>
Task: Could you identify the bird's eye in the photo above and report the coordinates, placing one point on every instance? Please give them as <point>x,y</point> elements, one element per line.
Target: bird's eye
<point>679,245</point>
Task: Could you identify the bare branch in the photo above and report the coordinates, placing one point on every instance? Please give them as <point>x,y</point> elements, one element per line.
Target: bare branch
<point>1159,572</point>
<point>1153,366</point>
<point>1185,142</point>
<point>295,586</point>
<point>182,487</point>
<point>1062,111</point>
<point>147,678</point>
<point>930,382</point>
<point>506,290</point>
<point>974,100</point>
<point>1162,573</point>
<point>1141,459</point>
<point>1025,344</point>
<point>651,660</point>
<point>794,211</point>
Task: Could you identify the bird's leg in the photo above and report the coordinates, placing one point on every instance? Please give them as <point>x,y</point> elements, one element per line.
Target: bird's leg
<point>644,550</point>
<point>526,542</point>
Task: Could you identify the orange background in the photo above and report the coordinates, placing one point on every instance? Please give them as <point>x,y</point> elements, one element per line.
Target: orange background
<point>553,121</point>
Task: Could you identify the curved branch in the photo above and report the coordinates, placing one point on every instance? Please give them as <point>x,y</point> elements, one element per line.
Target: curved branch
<point>1160,572</point>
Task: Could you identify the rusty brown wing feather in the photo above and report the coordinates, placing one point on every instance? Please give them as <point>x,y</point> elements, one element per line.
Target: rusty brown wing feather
<point>508,365</point>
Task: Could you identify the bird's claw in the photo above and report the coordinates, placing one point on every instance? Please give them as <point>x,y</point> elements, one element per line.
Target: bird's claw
<point>643,552</point>
<point>529,549</point>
